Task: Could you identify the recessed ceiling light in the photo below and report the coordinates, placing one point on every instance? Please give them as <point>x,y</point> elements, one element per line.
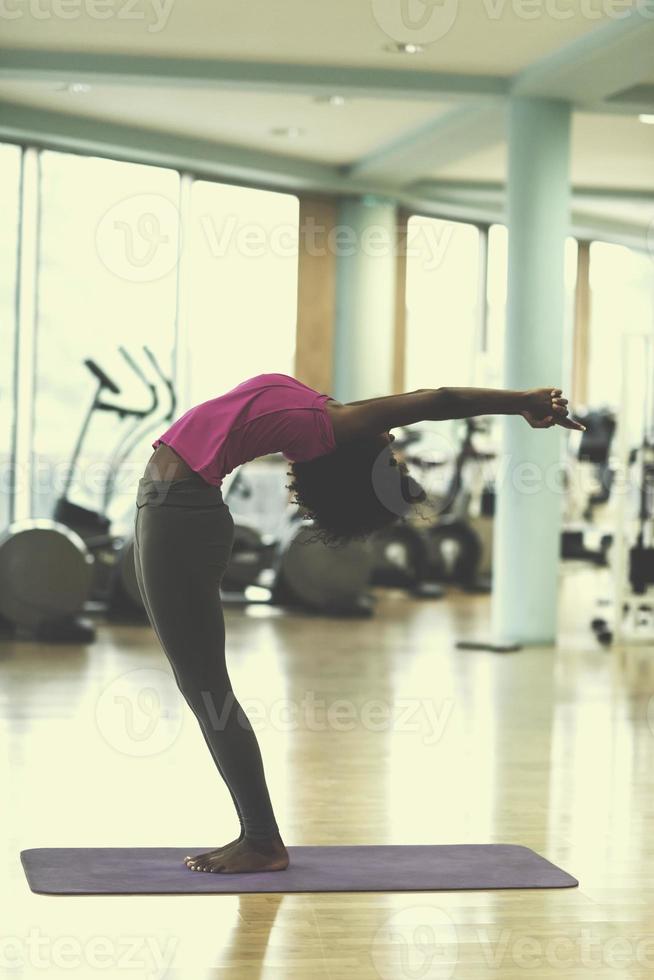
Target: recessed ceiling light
<point>78,88</point>
<point>646,117</point>
<point>399,47</point>
<point>334,100</point>
<point>289,132</point>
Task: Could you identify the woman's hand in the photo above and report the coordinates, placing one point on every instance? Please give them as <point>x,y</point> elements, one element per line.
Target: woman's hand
<point>547,407</point>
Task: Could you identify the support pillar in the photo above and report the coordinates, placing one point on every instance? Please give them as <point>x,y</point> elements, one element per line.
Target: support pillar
<point>528,514</point>
<point>365,240</point>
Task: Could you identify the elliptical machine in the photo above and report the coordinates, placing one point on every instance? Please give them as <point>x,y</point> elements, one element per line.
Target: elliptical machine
<point>449,551</point>
<point>53,570</point>
<point>400,553</point>
<point>454,545</point>
<point>94,526</point>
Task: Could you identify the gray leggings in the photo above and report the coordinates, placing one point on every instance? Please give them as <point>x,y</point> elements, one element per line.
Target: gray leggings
<point>183,539</point>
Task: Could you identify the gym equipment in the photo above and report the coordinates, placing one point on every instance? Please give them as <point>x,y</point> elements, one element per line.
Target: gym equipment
<point>399,551</point>
<point>349,868</point>
<point>277,558</point>
<point>400,561</point>
<point>124,598</point>
<point>45,578</point>
<point>321,577</point>
<point>252,549</point>
<point>399,557</point>
<point>114,586</point>
<point>93,526</point>
<point>50,570</point>
<point>454,547</point>
<point>631,612</point>
<point>594,449</point>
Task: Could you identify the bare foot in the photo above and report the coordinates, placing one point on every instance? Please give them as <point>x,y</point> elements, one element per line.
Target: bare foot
<point>217,852</point>
<point>242,856</point>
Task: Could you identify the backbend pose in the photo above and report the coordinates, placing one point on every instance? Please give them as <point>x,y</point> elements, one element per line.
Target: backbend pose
<point>184,534</point>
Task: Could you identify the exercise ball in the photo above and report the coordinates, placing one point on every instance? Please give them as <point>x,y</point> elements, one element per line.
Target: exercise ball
<point>322,577</point>
<point>45,572</point>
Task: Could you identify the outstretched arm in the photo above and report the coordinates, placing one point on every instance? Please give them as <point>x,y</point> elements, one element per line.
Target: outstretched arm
<point>541,407</point>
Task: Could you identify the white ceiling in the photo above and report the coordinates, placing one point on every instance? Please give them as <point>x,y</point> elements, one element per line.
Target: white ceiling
<point>462,39</point>
<point>606,151</point>
<point>332,135</point>
<point>472,36</point>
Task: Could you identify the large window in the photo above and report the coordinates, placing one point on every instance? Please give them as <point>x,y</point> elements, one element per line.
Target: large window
<point>106,278</point>
<point>443,319</point>
<point>496,287</point>
<point>9,212</point>
<point>217,302</point>
<point>204,275</point>
<point>622,301</point>
<point>240,309</point>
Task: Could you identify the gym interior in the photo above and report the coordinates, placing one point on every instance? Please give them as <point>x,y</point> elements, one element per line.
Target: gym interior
<point>373,198</point>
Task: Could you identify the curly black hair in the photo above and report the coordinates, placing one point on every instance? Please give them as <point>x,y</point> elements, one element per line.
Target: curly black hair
<point>354,490</point>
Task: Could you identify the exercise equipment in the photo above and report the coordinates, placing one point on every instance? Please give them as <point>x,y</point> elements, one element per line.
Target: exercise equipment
<point>45,578</point>
<point>312,868</point>
<point>594,452</point>
<point>277,557</point>
<point>399,557</point>
<point>631,611</point>
<point>454,547</point>
<point>321,577</point>
<point>399,551</point>
<point>52,570</point>
<point>252,550</point>
<point>94,526</point>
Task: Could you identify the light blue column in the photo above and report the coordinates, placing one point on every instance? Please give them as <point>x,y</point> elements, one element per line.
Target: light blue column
<point>365,245</point>
<point>528,516</point>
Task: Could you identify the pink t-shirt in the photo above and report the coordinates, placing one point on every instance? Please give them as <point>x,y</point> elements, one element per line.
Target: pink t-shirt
<point>269,413</point>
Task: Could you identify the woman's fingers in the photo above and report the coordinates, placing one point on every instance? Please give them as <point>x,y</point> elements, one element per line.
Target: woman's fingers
<point>571,424</point>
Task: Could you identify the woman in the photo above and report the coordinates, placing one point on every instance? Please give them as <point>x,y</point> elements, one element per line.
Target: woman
<point>344,476</point>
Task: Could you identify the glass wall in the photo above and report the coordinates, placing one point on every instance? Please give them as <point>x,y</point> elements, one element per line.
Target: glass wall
<point>442,303</point>
<point>240,266</point>
<point>496,286</point>
<point>220,302</point>
<point>10,164</point>
<point>113,271</point>
<point>106,279</point>
<point>622,301</point>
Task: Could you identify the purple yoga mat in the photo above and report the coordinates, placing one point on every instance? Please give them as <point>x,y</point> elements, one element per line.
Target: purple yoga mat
<point>357,868</point>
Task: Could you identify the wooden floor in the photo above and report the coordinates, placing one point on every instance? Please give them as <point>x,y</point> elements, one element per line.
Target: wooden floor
<point>373,731</point>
